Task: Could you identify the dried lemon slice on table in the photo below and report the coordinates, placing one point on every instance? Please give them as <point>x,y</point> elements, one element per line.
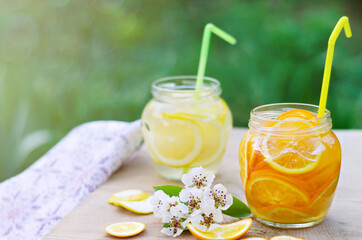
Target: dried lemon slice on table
<point>125,229</point>
<point>134,200</point>
<point>175,142</point>
<point>128,195</point>
<point>254,238</point>
<point>285,237</point>
<point>140,207</point>
<point>228,231</point>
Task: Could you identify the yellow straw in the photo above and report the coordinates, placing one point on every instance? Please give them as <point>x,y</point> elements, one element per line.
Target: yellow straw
<point>342,23</point>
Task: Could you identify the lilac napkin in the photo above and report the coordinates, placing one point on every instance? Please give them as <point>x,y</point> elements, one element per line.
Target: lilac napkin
<point>32,202</point>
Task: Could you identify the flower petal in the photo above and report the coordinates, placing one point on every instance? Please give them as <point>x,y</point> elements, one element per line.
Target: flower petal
<point>184,195</point>
<point>187,180</point>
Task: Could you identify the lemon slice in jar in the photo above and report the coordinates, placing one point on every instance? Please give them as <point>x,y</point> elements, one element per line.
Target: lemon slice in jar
<point>213,137</point>
<point>213,144</point>
<point>175,142</point>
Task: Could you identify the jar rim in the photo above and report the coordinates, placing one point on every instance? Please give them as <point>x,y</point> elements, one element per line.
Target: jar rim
<point>305,105</point>
<point>257,119</point>
<point>214,86</point>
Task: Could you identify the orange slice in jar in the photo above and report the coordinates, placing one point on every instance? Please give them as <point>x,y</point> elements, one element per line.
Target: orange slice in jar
<point>267,189</point>
<point>298,113</point>
<point>243,161</point>
<point>293,154</point>
<point>322,201</point>
<point>283,214</point>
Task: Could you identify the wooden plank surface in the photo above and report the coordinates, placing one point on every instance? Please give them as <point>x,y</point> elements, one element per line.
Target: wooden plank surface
<point>88,219</point>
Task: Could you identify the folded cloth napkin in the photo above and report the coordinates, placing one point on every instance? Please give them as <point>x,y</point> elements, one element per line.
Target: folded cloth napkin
<point>32,202</point>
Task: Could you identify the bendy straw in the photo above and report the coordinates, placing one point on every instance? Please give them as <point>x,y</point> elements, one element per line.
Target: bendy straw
<point>342,23</point>
<point>205,45</point>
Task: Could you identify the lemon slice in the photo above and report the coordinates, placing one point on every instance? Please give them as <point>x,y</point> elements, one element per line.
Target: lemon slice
<point>229,231</point>
<point>285,237</point>
<point>175,142</point>
<point>125,229</point>
<point>128,195</point>
<point>254,238</point>
<point>213,143</point>
<point>140,207</point>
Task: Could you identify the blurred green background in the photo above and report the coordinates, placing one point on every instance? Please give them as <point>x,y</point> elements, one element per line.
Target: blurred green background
<point>65,62</point>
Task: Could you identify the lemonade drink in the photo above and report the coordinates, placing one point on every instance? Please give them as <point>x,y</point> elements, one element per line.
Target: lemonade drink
<point>289,165</point>
<point>184,128</point>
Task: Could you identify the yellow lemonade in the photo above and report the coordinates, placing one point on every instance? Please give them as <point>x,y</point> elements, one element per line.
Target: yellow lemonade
<point>184,128</point>
<point>289,165</point>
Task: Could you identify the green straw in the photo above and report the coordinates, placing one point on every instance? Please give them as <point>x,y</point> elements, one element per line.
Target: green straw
<point>205,46</point>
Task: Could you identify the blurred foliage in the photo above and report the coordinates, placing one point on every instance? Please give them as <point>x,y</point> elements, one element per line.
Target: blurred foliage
<point>66,62</point>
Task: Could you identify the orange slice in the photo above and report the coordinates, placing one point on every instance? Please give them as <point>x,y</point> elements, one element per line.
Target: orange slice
<point>300,113</point>
<point>282,214</point>
<point>296,154</point>
<point>285,237</point>
<point>243,161</point>
<point>321,202</point>
<point>125,229</point>
<point>265,189</point>
<point>229,231</point>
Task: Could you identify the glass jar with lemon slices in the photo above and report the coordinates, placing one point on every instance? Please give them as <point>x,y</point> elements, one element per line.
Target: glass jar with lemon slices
<point>289,165</point>
<point>185,128</point>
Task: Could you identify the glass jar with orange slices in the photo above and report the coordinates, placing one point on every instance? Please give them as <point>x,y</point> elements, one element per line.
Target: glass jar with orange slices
<point>185,128</point>
<point>289,165</point>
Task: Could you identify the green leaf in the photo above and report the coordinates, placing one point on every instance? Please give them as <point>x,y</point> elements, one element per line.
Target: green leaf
<point>238,209</point>
<point>170,190</point>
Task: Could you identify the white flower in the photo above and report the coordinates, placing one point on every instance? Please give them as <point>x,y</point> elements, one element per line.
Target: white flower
<point>222,199</point>
<point>194,198</point>
<point>207,219</point>
<point>173,202</point>
<point>158,200</point>
<point>176,222</point>
<point>197,178</point>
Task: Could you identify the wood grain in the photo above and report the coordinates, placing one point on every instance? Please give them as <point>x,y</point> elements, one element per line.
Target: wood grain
<point>89,218</point>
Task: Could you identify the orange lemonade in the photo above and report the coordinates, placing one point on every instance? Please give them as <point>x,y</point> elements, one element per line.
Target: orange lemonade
<point>289,165</point>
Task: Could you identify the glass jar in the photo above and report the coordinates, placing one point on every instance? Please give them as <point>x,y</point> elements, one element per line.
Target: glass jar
<point>289,164</point>
<point>185,128</point>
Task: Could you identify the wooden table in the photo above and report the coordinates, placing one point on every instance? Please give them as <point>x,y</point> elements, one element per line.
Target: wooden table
<point>344,220</point>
